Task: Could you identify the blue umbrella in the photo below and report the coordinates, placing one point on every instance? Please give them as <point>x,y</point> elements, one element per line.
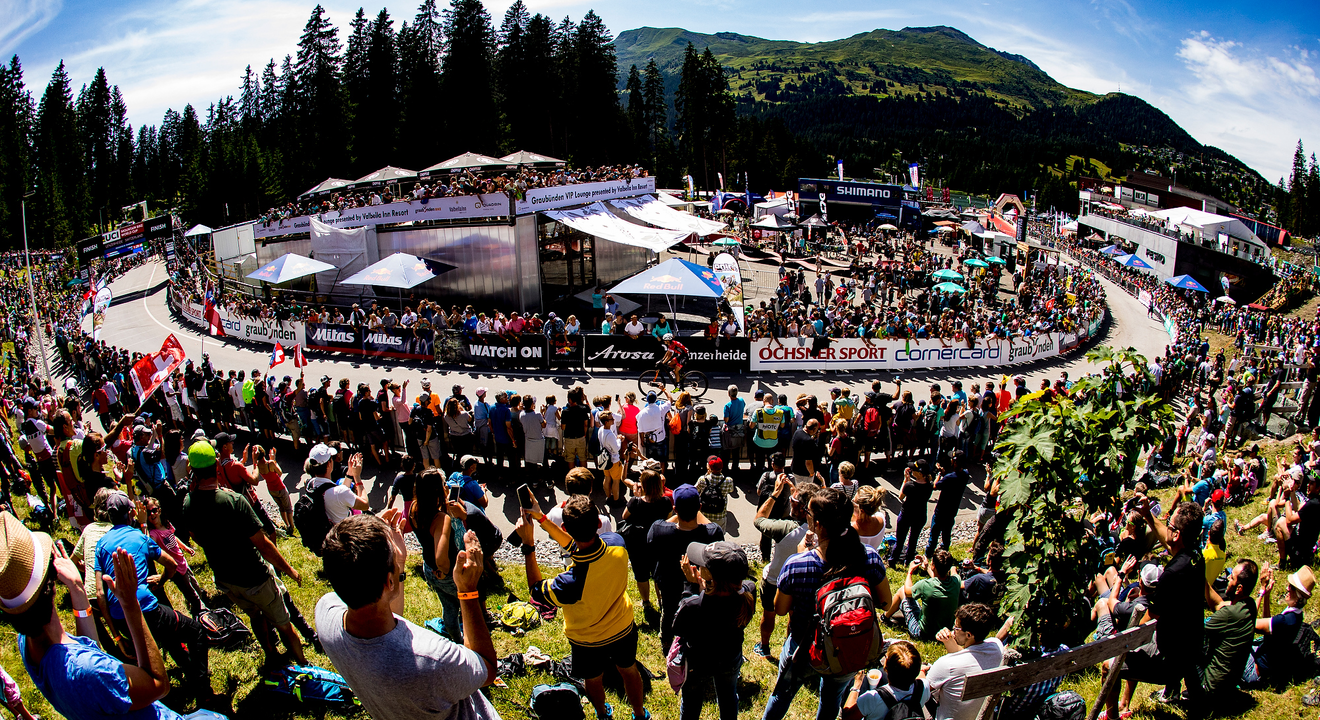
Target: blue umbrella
<point>1111,250</point>
<point>1133,261</point>
<point>399,270</point>
<point>1186,283</point>
<point>672,277</point>
<point>289,267</point>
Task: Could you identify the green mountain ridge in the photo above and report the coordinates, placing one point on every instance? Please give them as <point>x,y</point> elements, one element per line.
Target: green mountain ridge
<point>935,95</point>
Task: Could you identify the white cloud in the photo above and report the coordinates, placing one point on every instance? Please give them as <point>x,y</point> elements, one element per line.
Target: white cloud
<point>1251,104</point>
<point>850,16</point>
<point>21,18</point>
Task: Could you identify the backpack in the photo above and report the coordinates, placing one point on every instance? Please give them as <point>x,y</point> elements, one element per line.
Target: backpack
<point>908,708</point>
<point>518,616</point>
<point>1066,705</point>
<point>224,630</point>
<point>713,499</point>
<point>871,421</point>
<point>847,634</point>
<point>310,518</point>
<point>676,665</point>
<point>308,682</point>
<point>675,423</point>
<point>1306,652</point>
<point>557,702</point>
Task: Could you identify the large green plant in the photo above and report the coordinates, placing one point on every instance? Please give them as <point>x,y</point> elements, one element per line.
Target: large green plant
<point>1060,461</point>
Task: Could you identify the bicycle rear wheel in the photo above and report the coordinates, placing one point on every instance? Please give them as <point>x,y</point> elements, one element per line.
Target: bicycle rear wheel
<point>695,382</point>
<point>649,380</point>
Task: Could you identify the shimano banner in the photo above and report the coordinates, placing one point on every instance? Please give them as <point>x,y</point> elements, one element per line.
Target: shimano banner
<point>731,355</point>
<point>518,351</point>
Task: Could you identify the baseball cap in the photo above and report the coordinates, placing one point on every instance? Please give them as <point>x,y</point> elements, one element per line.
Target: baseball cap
<point>725,561</point>
<point>322,454</point>
<point>325,378</point>
<point>199,434</point>
<point>426,383</point>
<point>201,455</point>
<point>687,501</point>
<point>119,508</point>
<point>650,397</point>
<point>1217,497</point>
<point>481,392</point>
<point>1150,575</point>
<point>24,561</point>
<point>456,388</point>
<point>224,437</point>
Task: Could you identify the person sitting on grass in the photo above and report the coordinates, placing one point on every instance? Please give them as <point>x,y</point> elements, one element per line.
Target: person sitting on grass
<point>398,670</point>
<point>971,650</point>
<point>598,614</point>
<point>928,604</point>
<point>902,666</point>
<point>1275,658</point>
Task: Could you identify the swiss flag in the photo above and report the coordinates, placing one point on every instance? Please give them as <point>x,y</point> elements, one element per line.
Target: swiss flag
<point>212,315</point>
<point>152,370</point>
<point>276,355</point>
<point>298,359</point>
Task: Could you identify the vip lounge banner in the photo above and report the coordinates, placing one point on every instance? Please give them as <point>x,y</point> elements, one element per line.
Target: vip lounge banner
<point>559,196</point>
<point>519,351</point>
<point>450,208</point>
<point>706,354</point>
<point>897,355</point>
<point>287,333</point>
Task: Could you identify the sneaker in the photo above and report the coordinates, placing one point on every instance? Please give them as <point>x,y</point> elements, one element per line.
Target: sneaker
<point>1238,527</point>
<point>1160,698</point>
<point>646,715</point>
<point>1264,536</point>
<point>609,713</point>
<point>763,650</point>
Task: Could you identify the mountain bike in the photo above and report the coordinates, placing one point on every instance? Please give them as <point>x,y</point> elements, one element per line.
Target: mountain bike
<point>693,381</point>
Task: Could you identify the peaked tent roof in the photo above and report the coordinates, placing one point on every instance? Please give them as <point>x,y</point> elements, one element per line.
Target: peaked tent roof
<point>467,161</point>
<point>384,176</point>
<point>197,230</point>
<point>597,220</point>
<point>289,266</point>
<point>773,222</point>
<point>523,157</point>
<point>673,277</point>
<point>657,213</point>
<point>327,185</point>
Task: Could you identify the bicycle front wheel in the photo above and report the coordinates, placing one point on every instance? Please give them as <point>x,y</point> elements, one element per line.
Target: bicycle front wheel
<point>695,382</point>
<point>650,380</point>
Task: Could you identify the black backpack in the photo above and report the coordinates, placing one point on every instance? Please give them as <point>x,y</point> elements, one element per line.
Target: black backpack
<point>1066,705</point>
<point>906,709</point>
<point>556,702</point>
<point>310,518</point>
<point>224,630</point>
<point>713,499</point>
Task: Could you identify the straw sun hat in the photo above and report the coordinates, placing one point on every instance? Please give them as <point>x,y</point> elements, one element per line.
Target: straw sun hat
<point>24,560</point>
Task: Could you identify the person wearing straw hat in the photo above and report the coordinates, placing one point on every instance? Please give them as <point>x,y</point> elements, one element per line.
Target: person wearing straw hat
<point>76,677</point>
<point>1277,656</point>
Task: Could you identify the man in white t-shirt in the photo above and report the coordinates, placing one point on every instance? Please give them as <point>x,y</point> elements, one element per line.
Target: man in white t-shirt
<point>340,500</point>
<point>634,328</point>
<point>651,427</point>
<point>970,651</point>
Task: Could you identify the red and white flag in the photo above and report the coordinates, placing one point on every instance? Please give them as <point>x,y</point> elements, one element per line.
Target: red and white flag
<point>212,314</point>
<point>298,359</point>
<point>276,355</point>
<point>154,368</point>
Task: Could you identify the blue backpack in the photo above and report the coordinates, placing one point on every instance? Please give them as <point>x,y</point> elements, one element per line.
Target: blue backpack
<point>311,683</point>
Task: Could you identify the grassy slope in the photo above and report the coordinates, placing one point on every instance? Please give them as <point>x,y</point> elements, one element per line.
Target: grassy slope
<point>235,673</point>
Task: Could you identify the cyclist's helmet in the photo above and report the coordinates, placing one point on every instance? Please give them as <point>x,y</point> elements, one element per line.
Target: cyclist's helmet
<point>668,337</point>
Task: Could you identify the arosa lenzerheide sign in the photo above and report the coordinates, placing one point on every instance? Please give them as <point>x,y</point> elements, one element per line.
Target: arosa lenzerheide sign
<point>706,354</point>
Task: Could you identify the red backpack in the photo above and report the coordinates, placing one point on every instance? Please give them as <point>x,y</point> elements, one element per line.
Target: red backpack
<point>871,420</point>
<point>847,635</point>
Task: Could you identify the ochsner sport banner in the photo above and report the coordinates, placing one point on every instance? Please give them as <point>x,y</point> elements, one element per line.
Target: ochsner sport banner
<point>730,275</point>
<point>860,354</point>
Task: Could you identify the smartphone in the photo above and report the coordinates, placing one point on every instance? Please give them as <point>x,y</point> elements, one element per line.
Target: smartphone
<point>454,491</point>
<point>525,497</point>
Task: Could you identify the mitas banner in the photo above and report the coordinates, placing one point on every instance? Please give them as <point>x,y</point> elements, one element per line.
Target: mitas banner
<point>154,368</point>
<point>402,343</point>
<point>706,354</point>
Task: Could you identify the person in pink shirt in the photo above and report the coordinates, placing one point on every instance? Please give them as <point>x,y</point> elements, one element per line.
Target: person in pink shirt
<point>162,532</point>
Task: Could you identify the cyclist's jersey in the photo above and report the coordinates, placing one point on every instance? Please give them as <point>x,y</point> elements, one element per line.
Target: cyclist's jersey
<point>679,352</point>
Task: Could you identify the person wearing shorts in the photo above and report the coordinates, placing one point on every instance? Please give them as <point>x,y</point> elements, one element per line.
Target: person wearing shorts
<point>240,553</point>
<point>598,614</point>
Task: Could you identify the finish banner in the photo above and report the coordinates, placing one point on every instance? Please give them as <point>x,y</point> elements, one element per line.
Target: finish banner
<point>515,351</point>
<point>450,208</point>
<point>706,354</point>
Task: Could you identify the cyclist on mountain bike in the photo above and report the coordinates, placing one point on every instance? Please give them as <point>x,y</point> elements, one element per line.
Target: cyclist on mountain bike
<point>676,355</point>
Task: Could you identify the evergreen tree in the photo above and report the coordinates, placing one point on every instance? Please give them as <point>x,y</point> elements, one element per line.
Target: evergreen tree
<point>250,99</point>
<point>17,115</point>
<point>467,72</point>
<point>533,109</point>
<point>322,106</point>
<point>656,104</point>
<point>598,117</point>
<point>637,114</point>
<point>512,91</point>
<point>62,198</point>
<point>420,46</point>
<point>97,139</point>
<point>378,103</point>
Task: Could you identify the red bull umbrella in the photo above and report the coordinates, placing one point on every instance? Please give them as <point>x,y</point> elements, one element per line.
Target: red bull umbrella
<point>673,277</point>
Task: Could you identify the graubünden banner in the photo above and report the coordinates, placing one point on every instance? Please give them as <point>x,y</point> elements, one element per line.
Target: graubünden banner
<point>287,333</point>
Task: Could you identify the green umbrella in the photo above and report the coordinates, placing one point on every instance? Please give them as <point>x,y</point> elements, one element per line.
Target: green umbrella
<point>995,260</point>
<point>974,262</point>
<point>950,287</point>
<point>947,275</point>
<point>726,242</point>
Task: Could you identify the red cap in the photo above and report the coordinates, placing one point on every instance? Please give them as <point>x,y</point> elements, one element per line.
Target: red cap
<point>1218,496</point>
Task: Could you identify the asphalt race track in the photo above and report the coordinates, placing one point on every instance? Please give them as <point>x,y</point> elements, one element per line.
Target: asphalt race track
<point>142,324</point>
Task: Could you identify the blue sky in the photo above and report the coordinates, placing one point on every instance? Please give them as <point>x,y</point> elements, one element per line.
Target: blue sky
<point>1242,76</point>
